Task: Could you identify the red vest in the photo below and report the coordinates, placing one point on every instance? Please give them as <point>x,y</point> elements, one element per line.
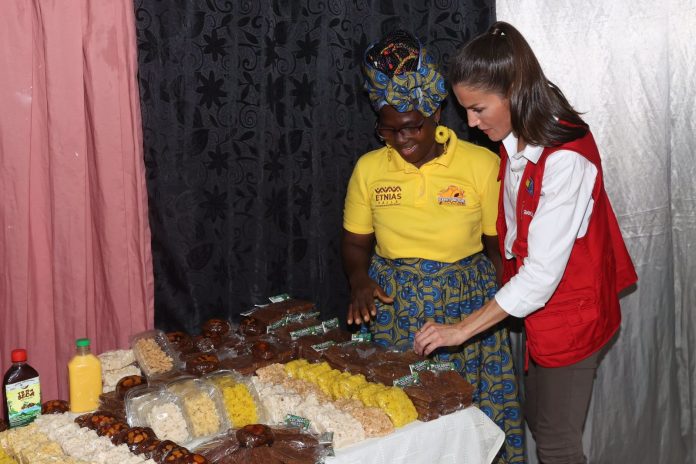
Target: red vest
<point>583,313</point>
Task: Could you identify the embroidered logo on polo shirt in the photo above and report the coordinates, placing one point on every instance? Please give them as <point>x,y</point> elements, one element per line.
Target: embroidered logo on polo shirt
<point>529,185</point>
<point>452,195</point>
<point>387,196</point>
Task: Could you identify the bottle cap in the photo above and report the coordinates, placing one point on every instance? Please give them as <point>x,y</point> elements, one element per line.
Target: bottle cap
<point>81,342</point>
<point>19,355</point>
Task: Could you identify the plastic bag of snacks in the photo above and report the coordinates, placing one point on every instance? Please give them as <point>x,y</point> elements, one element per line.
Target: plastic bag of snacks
<point>155,355</point>
<point>261,443</point>
<point>159,409</point>
<point>240,398</point>
<point>203,407</point>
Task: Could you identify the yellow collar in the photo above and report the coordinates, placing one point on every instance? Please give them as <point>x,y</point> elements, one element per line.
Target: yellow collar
<point>397,163</point>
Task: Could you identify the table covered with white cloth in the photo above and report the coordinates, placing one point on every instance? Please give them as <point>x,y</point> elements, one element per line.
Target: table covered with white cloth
<point>464,437</point>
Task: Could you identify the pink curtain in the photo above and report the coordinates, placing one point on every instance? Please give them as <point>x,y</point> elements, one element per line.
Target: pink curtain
<point>75,258</point>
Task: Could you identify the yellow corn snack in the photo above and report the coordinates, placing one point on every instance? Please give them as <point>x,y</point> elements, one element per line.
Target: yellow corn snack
<point>6,459</point>
<point>344,385</point>
<point>368,394</point>
<point>397,405</point>
<point>326,380</point>
<point>239,404</point>
<point>292,367</point>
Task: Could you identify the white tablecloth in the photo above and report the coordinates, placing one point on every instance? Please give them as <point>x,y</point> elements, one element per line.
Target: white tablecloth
<point>464,437</point>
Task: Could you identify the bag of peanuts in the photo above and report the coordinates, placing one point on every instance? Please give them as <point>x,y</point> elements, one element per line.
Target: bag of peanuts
<point>155,355</point>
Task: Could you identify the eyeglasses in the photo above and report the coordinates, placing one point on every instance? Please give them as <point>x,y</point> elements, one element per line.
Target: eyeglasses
<point>390,133</point>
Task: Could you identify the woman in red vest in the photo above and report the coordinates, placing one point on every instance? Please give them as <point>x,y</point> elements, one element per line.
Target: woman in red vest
<point>564,258</point>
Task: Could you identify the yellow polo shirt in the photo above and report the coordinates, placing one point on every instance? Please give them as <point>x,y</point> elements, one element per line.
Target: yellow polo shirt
<point>437,212</point>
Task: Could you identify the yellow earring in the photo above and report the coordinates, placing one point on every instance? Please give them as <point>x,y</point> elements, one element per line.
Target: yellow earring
<point>442,134</point>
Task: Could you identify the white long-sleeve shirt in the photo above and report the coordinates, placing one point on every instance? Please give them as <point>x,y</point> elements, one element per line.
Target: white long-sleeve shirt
<point>561,217</point>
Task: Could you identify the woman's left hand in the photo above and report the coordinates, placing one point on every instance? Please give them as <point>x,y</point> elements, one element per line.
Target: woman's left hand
<point>432,336</point>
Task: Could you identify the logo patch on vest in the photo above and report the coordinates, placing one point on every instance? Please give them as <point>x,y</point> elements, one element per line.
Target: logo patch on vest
<point>529,186</point>
<point>452,195</point>
<point>387,196</point>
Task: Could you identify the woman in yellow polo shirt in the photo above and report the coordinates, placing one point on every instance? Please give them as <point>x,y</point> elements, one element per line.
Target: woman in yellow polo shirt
<point>419,213</point>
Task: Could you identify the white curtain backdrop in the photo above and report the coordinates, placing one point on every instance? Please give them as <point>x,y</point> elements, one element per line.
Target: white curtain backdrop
<point>630,65</point>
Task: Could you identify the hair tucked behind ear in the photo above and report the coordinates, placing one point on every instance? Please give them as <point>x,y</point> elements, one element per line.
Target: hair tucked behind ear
<point>501,61</point>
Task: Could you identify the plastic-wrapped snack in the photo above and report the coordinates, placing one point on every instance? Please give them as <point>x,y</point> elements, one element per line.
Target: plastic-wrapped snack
<point>112,403</point>
<point>240,398</point>
<point>398,356</point>
<point>257,322</point>
<point>176,455</point>
<point>293,446</point>
<point>154,353</point>
<point>116,359</point>
<point>245,364</point>
<point>267,349</point>
<point>147,448</point>
<point>290,333</point>
<point>233,343</point>
<point>55,407</point>
<point>111,378</point>
<point>216,328</point>
<point>255,435</point>
<point>180,341</point>
<point>205,344</point>
<point>163,449</point>
<point>126,383</point>
<point>397,405</point>
<point>193,458</point>
<point>220,449</point>
<point>374,421</point>
<point>135,437</point>
<point>160,410</point>
<point>99,418</point>
<point>289,446</point>
<point>203,406</point>
<point>387,372</point>
<point>111,430</point>
<point>199,364</point>
<point>83,419</point>
<point>273,373</point>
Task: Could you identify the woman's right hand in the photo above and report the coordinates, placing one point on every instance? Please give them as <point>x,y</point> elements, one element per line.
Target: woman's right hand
<point>362,299</point>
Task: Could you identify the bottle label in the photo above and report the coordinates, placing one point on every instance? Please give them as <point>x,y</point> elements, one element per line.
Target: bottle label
<point>23,401</point>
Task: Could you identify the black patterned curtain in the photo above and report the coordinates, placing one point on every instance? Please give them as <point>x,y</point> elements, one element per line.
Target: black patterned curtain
<point>253,117</point>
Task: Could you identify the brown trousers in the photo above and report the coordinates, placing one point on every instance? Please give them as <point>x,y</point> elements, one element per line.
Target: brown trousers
<point>556,405</point>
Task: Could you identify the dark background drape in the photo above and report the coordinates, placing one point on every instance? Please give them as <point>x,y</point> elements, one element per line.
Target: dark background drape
<point>253,117</point>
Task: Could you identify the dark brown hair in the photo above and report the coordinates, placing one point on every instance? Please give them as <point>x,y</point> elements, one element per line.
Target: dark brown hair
<point>501,61</point>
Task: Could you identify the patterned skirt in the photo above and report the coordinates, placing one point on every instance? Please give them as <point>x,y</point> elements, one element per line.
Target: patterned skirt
<point>446,293</point>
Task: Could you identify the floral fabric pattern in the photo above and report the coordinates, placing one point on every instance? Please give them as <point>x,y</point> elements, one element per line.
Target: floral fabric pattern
<point>425,290</point>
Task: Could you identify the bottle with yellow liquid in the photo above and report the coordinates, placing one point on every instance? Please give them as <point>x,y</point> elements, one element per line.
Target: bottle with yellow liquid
<point>85,377</point>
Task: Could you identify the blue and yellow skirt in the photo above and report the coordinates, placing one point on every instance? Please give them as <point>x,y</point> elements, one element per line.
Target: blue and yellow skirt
<point>446,293</point>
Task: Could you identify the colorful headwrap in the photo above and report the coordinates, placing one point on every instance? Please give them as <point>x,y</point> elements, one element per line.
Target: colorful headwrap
<point>422,90</point>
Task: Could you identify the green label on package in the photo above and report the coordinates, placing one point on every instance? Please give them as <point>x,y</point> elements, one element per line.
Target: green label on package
<point>23,401</point>
<point>276,325</point>
<point>296,421</point>
<point>362,337</point>
<point>406,381</point>
<point>323,346</point>
<point>441,366</point>
<point>330,324</point>
<point>279,298</point>
<point>314,330</point>
<point>420,366</point>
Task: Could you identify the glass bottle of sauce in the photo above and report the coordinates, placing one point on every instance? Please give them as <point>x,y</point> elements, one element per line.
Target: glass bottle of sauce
<point>85,378</point>
<point>21,391</point>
